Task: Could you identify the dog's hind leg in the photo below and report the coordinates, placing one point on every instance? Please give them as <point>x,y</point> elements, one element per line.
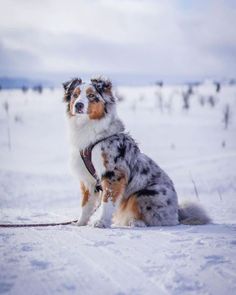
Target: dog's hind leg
<point>129,213</point>
<point>158,205</point>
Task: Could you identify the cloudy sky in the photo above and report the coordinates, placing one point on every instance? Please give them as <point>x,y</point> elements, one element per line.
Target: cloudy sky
<point>167,39</point>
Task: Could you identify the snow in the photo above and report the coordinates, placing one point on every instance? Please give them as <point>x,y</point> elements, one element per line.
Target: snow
<point>36,186</point>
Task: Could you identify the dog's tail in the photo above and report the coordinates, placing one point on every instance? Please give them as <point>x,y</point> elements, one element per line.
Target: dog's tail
<point>192,214</point>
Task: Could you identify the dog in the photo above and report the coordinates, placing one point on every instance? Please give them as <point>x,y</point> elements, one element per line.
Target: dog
<point>128,186</point>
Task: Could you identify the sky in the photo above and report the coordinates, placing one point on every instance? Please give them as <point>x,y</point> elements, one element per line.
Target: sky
<point>167,39</point>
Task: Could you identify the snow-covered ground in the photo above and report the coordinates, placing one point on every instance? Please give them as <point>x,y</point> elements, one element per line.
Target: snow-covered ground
<point>193,147</point>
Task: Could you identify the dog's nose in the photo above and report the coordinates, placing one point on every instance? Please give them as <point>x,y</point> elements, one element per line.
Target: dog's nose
<point>79,106</point>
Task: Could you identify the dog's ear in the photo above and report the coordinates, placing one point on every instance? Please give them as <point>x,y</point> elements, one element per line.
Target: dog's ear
<point>69,86</point>
<point>104,88</point>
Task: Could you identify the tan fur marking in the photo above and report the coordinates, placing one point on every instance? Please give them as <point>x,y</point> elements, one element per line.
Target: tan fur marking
<point>71,105</point>
<point>77,91</point>
<point>90,90</point>
<point>131,205</point>
<point>113,189</point>
<point>74,96</point>
<point>96,110</point>
<point>85,194</point>
<point>105,160</point>
<point>128,211</point>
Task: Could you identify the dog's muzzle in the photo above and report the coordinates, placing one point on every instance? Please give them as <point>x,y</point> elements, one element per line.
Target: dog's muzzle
<point>79,107</point>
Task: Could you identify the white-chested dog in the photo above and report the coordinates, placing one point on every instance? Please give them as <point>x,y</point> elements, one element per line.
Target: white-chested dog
<point>135,191</point>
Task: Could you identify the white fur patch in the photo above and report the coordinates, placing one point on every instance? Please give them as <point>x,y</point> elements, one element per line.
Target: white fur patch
<point>83,99</point>
<point>106,212</point>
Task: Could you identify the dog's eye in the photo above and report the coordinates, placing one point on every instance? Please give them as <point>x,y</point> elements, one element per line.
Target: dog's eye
<point>75,95</point>
<point>93,97</point>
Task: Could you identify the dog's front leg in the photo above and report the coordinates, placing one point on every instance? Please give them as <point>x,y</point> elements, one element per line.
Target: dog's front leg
<point>89,199</point>
<point>108,207</point>
<point>113,185</point>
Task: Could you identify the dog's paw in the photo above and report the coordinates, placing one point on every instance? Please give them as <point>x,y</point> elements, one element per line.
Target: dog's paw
<point>80,223</point>
<point>100,223</point>
<point>137,223</point>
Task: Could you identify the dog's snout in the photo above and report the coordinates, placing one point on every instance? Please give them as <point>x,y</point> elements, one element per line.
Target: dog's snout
<point>79,106</point>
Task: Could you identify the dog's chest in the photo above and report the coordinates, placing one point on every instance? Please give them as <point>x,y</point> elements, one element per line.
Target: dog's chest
<point>98,160</point>
<point>79,168</point>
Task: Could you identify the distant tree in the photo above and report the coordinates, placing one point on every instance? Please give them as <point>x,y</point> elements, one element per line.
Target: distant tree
<point>232,82</point>
<point>18,119</point>
<point>24,88</point>
<point>159,83</point>
<point>218,86</point>
<point>38,88</point>
<point>190,89</point>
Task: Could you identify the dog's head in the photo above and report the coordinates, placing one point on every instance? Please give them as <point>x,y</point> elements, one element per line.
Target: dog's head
<point>92,99</point>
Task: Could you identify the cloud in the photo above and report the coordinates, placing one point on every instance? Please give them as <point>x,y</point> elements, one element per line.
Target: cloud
<point>17,62</point>
<point>170,39</point>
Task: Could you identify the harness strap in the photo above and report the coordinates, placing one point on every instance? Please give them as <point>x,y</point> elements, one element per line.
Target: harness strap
<point>86,155</point>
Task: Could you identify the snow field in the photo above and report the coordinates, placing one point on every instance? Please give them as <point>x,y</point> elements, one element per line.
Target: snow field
<point>194,148</point>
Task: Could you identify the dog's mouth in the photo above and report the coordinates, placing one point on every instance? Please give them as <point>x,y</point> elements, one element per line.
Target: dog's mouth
<point>79,112</point>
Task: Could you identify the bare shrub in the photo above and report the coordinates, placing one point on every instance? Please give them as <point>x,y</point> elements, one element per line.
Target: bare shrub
<point>227,114</point>
<point>24,89</point>
<point>186,97</point>
<point>18,119</point>
<point>202,100</point>
<point>7,110</point>
<point>212,100</point>
<point>38,88</point>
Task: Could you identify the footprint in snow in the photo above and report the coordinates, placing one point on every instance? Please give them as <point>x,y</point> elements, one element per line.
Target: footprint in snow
<point>69,287</point>
<point>233,242</point>
<point>4,237</point>
<point>26,248</point>
<point>153,270</point>
<point>133,236</point>
<point>176,256</point>
<point>22,218</point>
<point>181,240</point>
<point>40,215</point>
<point>100,243</point>
<point>213,260</point>
<point>5,287</point>
<point>40,265</point>
<point>12,260</point>
<point>117,234</point>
